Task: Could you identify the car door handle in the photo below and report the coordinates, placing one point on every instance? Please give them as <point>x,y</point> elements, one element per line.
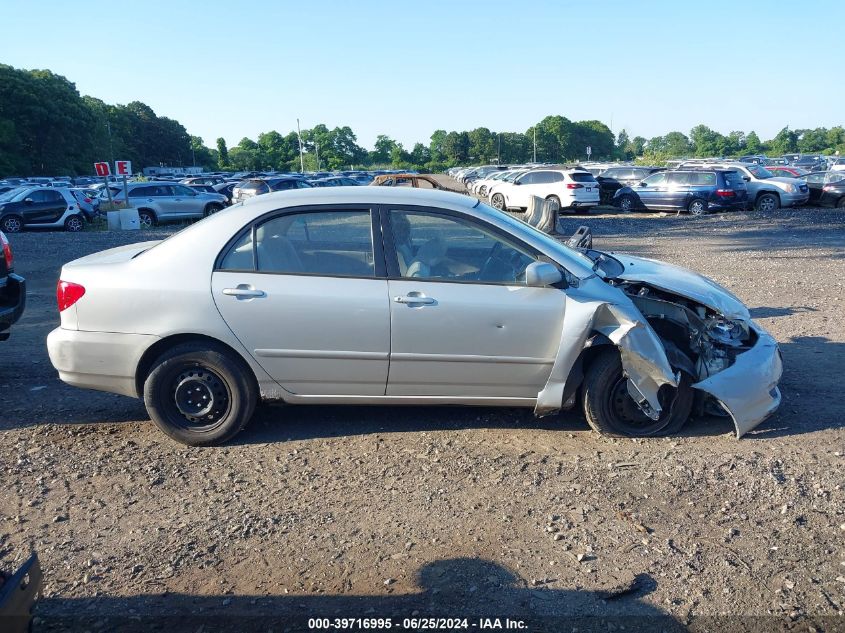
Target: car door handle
<point>244,291</point>
<point>415,300</point>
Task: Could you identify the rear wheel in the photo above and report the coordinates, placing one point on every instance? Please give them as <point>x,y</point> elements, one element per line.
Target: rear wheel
<point>199,394</point>
<point>147,219</point>
<point>767,202</point>
<point>841,203</point>
<point>74,224</point>
<point>610,410</point>
<point>11,224</point>
<point>498,201</point>
<point>626,203</point>
<point>697,207</point>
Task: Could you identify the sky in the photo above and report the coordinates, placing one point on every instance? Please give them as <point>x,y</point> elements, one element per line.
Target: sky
<point>236,69</point>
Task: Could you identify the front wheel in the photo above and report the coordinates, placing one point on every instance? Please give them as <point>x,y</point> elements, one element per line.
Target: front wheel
<point>555,201</point>
<point>498,201</point>
<point>12,224</point>
<point>626,203</point>
<point>200,394</point>
<point>610,410</point>
<point>767,202</point>
<point>841,203</point>
<point>74,224</point>
<point>211,209</point>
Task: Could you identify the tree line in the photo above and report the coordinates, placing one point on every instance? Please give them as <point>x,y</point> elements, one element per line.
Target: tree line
<point>48,128</point>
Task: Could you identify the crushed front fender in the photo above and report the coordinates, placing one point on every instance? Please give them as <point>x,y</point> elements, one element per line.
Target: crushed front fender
<point>643,357</point>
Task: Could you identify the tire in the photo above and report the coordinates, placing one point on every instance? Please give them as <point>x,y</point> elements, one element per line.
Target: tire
<point>200,375</point>
<point>767,202</point>
<point>498,202</point>
<point>11,224</point>
<point>840,204</point>
<point>74,224</point>
<point>626,203</point>
<point>697,207</point>
<point>211,208</point>
<point>147,219</point>
<point>611,411</point>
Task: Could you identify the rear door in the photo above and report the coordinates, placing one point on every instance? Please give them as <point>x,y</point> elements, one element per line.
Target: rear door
<point>305,292</point>
<point>678,192</point>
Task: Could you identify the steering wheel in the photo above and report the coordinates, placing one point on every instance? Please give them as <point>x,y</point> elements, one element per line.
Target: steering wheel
<point>492,261</point>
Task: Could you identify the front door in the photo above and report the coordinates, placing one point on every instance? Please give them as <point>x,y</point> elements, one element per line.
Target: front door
<point>47,206</point>
<point>652,191</point>
<point>462,321</point>
<point>304,294</point>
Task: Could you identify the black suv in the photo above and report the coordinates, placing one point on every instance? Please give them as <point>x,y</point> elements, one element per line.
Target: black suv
<point>258,186</point>
<point>12,290</point>
<point>614,178</point>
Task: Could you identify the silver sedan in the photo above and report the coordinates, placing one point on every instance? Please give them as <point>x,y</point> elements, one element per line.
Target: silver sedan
<point>382,295</point>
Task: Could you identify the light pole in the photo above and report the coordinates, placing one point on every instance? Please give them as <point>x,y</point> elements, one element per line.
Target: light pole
<point>301,159</point>
<point>535,143</point>
<point>499,151</point>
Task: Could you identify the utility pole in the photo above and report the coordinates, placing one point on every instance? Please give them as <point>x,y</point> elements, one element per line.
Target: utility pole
<point>317,150</point>
<point>535,143</point>
<point>499,151</point>
<point>111,147</point>
<point>301,159</point>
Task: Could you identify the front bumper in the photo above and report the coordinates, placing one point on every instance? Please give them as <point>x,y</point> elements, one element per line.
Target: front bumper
<point>106,361</point>
<point>793,199</point>
<point>748,389</point>
<point>12,301</point>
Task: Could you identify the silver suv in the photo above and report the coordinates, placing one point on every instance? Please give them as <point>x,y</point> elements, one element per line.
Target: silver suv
<point>766,191</point>
<point>167,201</point>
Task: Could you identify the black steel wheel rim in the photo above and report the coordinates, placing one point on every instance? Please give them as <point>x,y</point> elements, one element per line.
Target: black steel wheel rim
<point>198,398</point>
<point>627,416</point>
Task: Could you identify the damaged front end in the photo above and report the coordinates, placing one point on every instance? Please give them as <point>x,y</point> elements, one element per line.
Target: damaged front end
<point>668,321</point>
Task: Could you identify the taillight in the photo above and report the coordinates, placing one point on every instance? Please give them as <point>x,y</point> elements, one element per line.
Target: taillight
<point>7,252</point>
<point>68,293</point>
<point>828,188</point>
<point>88,201</point>
<point>574,185</point>
<point>725,193</point>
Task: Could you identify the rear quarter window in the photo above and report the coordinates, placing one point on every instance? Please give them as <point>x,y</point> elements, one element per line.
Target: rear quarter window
<point>734,179</point>
<point>703,178</point>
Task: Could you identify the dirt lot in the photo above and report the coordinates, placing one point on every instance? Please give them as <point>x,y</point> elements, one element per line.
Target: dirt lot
<point>371,512</point>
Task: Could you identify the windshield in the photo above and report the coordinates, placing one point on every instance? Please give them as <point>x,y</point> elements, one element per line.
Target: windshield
<point>548,241</point>
<point>759,172</point>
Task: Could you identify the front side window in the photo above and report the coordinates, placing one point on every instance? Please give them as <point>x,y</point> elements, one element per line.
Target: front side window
<point>656,179</point>
<point>331,243</point>
<point>445,248</point>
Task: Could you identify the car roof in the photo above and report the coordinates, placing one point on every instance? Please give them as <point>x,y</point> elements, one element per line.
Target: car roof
<point>364,195</point>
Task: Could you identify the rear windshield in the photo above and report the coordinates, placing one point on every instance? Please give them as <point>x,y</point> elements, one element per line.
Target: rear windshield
<point>256,185</point>
<point>582,176</point>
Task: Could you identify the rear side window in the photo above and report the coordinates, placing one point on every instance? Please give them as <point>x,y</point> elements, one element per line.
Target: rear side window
<point>734,179</point>
<point>582,176</point>
<point>704,178</point>
<point>547,177</point>
<point>681,178</point>
<point>258,186</point>
<point>336,243</point>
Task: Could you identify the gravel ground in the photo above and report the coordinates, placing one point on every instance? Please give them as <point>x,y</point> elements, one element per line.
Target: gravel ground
<point>369,511</point>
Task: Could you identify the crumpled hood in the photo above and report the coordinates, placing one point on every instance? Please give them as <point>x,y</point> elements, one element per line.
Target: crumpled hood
<point>683,282</point>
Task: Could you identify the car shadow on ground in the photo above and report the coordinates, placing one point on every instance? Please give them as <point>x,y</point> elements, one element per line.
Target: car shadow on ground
<point>457,588</point>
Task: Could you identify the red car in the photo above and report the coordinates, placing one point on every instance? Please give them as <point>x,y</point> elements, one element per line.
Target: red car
<point>787,171</point>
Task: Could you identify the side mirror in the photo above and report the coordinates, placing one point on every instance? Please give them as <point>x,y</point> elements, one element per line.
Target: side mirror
<point>746,179</point>
<point>27,200</point>
<point>643,184</point>
<point>541,274</point>
<point>516,182</point>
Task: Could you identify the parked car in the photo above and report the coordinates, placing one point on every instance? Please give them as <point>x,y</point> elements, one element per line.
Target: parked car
<point>838,165</point>
<point>89,202</point>
<point>225,189</point>
<point>697,191</point>
<point>259,186</point>
<point>40,207</point>
<point>827,188</point>
<point>787,171</point>
<point>810,163</point>
<point>159,202</point>
<point>202,180</point>
<point>766,191</point>
<point>454,303</point>
<point>417,181</point>
<point>12,289</point>
<point>335,181</point>
<point>614,178</point>
<point>569,188</point>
